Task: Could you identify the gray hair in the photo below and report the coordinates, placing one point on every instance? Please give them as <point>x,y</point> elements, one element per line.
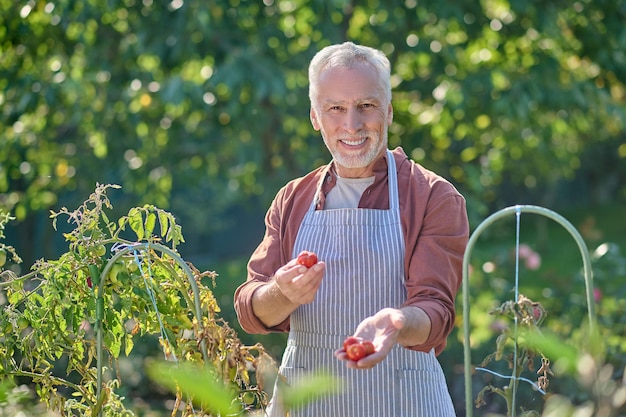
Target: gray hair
<point>348,55</point>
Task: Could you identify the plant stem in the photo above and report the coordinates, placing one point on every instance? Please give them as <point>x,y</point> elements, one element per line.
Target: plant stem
<point>54,379</point>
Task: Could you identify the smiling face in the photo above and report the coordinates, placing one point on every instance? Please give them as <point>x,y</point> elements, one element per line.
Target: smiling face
<point>352,115</point>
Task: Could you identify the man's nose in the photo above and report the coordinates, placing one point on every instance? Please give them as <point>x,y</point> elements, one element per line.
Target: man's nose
<point>353,121</point>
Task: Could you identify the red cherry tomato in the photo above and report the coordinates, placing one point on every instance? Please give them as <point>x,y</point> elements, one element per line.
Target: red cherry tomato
<point>357,348</point>
<point>369,347</point>
<point>350,340</point>
<point>355,352</point>
<point>307,258</point>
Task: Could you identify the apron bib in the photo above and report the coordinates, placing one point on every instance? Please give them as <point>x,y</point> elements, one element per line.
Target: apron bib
<point>364,254</point>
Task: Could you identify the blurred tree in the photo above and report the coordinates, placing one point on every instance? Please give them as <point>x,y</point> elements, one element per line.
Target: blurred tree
<point>199,107</point>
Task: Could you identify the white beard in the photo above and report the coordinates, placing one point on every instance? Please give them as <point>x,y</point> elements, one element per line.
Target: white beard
<point>358,159</point>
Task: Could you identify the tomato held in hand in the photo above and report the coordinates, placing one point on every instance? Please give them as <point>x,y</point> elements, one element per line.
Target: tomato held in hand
<point>369,347</point>
<point>355,352</point>
<point>350,340</point>
<point>356,348</point>
<point>307,258</point>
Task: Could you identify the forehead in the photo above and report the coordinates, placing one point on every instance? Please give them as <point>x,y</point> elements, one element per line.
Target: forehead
<point>360,82</point>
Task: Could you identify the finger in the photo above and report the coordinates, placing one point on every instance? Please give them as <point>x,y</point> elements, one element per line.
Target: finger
<point>340,354</point>
<point>360,364</point>
<point>295,269</point>
<point>312,276</point>
<point>304,289</point>
<point>368,362</point>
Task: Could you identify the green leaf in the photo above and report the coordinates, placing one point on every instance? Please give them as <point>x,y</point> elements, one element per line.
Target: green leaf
<point>307,390</point>
<point>114,342</point>
<point>105,218</point>
<point>200,383</point>
<point>553,347</point>
<point>135,219</point>
<point>129,344</point>
<point>113,337</point>
<point>5,389</point>
<point>150,223</point>
<point>16,297</point>
<point>164,222</point>
<point>122,223</point>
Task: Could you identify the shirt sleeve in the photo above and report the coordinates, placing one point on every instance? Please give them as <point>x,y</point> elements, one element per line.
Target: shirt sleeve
<point>282,222</point>
<point>264,262</point>
<point>435,249</point>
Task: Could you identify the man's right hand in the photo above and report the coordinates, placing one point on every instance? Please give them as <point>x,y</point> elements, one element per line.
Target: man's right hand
<point>298,283</point>
<point>291,286</point>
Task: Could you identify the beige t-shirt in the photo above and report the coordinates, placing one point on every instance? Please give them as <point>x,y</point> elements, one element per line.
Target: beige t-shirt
<point>347,193</point>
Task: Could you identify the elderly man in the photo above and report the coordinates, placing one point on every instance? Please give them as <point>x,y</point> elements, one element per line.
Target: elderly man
<point>389,236</point>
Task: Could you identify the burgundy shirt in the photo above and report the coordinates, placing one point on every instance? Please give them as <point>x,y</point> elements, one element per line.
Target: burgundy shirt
<point>436,230</point>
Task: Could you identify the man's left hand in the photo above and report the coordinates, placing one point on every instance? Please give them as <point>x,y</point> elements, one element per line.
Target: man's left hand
<point>383,330</point>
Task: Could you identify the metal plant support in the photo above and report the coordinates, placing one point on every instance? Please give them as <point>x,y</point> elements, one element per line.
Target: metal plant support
<point>515,210</point>
<point>146,246</point>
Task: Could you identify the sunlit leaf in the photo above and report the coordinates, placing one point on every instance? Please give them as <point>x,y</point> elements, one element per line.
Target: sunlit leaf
<point>308,389</point>
<point>163,221</point>
<point>150,223</point>
<point>135,220</point>
<point>200,383</point>
<point>562,354</point>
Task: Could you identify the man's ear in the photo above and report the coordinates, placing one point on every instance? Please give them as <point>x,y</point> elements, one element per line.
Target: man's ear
<point>389,114</point>
<point>314,121</point>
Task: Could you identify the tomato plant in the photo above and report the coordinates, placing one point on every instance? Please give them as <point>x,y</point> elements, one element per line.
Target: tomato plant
<point>99,297</point>
<point>519,356</point>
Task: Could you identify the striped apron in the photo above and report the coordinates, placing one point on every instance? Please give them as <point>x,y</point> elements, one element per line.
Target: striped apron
<point>364,254</point>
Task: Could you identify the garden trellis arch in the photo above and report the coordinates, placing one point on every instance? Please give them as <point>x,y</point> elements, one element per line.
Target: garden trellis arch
<point>507,212</point>
<point>130,249</point>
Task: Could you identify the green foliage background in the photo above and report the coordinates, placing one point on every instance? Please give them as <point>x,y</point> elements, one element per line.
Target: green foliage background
<point>201,108</point>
